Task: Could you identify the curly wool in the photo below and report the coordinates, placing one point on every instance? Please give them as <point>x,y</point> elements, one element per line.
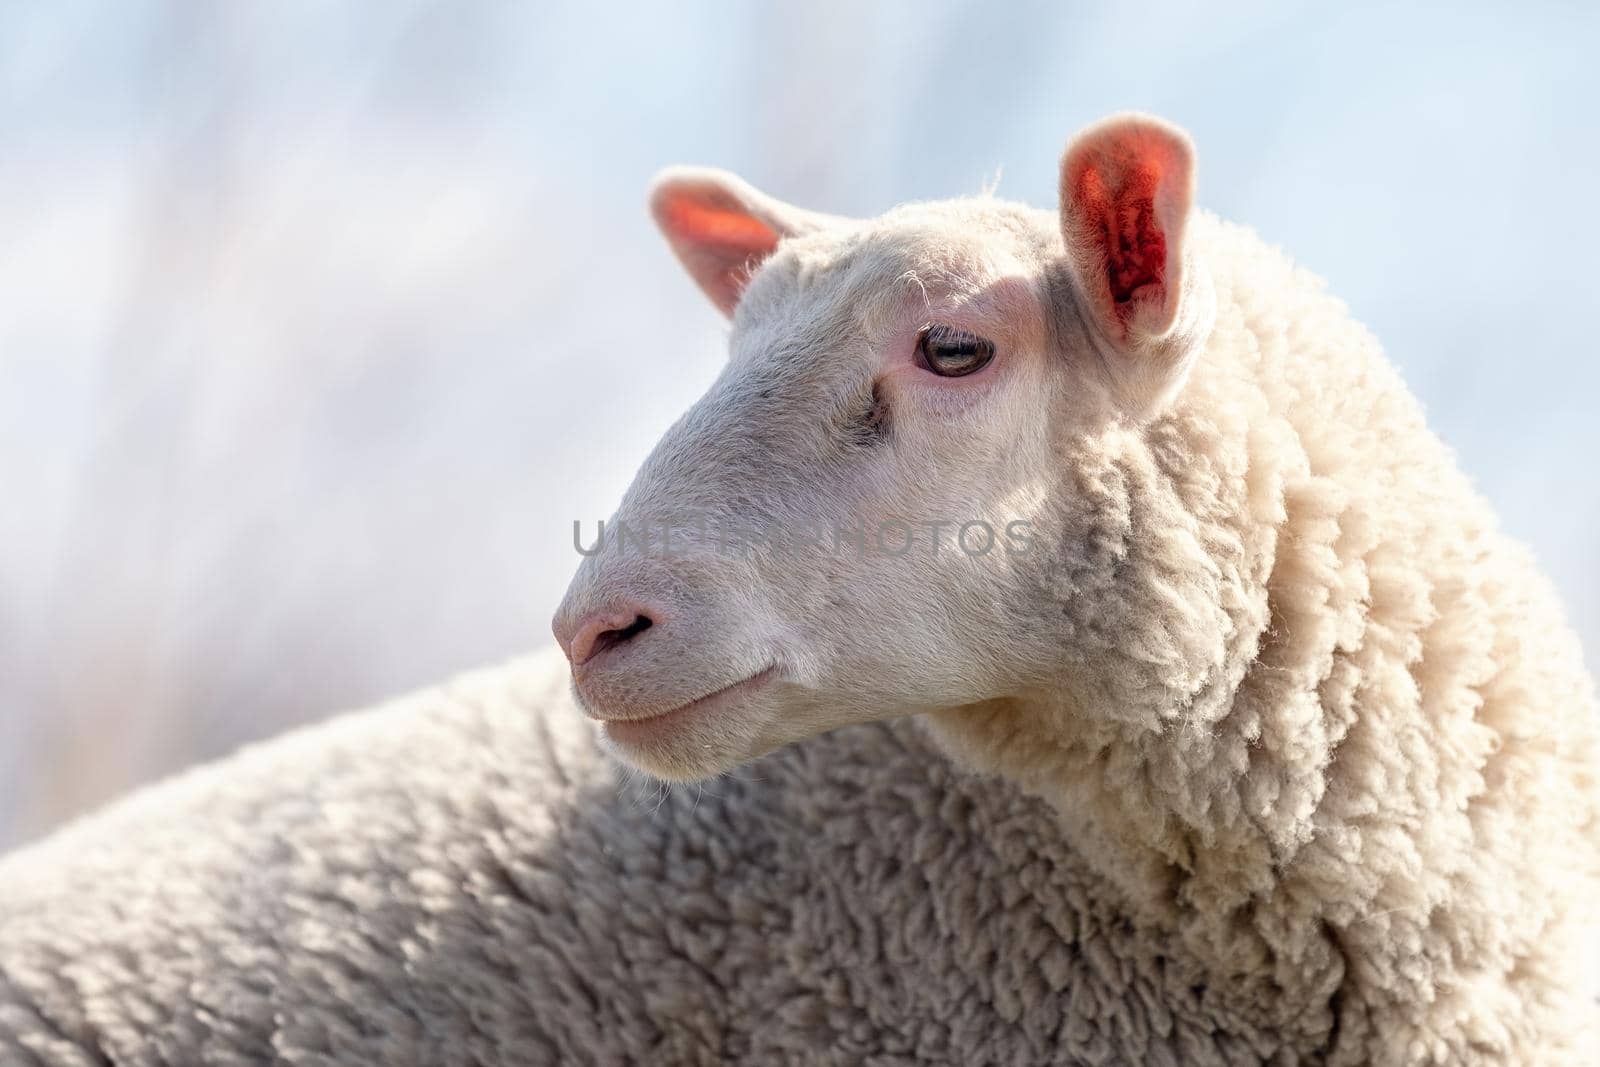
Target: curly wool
<point>464,878</point>
<point>1370,797</point>
<point>1323,791</point>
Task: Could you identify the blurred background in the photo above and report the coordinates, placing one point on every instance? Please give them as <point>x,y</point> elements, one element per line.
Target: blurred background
<point>319,325</point>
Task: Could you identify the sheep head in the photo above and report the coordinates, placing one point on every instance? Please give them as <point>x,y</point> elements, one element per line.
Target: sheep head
<point>901,494</point>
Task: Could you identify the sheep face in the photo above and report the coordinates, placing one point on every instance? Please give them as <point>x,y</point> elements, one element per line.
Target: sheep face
<point>866,514</point>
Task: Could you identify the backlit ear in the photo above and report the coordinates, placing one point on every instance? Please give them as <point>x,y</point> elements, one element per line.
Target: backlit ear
<point>1127,185</point>
<point>722,228</point>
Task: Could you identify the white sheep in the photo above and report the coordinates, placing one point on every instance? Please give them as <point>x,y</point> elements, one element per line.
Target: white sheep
<point>1294,754</point>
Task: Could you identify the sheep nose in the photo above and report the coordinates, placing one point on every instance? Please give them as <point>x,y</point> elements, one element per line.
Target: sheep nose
<point>599,632</point>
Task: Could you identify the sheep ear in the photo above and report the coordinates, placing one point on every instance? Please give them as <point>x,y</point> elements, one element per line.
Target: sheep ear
<point>721,228</point>
<point>1127,186</point>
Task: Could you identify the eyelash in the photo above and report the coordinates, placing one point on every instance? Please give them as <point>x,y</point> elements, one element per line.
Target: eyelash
<point>951,353</point>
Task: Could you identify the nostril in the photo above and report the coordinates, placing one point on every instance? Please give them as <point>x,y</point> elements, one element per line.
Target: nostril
<point>604,631</point>
<point>613,638</point>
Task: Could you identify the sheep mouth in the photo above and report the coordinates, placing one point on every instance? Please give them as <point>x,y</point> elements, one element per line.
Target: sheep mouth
<point>642,731</point>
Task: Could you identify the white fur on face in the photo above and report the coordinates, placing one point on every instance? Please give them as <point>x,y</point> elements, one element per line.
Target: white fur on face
<point>935,507</point>
<point>919,516</point>
<point>828,420</point>
<point>824,423</point>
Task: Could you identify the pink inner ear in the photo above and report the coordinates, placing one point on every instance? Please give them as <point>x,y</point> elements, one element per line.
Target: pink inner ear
<point>697,223</point>
<point>1135,249</point>
<point>718,241</point>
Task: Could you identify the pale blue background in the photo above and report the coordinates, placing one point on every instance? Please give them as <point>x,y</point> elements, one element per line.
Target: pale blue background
<point>318,326</point>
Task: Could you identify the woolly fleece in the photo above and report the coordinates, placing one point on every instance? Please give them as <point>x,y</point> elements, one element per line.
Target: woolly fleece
<point>1359,829</point>
<point>462,877</point>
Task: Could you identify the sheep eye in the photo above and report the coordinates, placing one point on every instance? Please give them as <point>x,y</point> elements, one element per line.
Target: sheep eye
<point>951,353</point>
